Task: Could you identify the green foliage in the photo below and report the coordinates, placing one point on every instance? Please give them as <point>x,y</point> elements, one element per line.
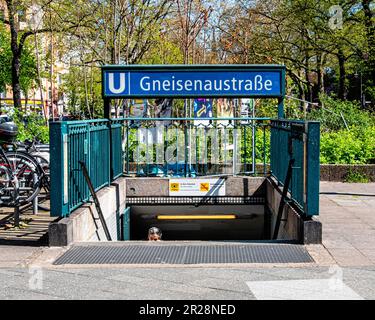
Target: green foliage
<point>267,108</point>
<point>85,101</point>
<point>354,146</point>
<point>163,52</point>
<point>28,70</point>
<point>338,144</point>
<point>262,145</point>
<point>5,59</point>
<point>356,177</point>
<point>333,113</point>
<point>31,126</point>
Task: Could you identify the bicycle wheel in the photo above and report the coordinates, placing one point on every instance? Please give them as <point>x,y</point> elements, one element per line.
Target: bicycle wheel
<point>5,184</point>
<point>26,175</point>
<point>44,167</point>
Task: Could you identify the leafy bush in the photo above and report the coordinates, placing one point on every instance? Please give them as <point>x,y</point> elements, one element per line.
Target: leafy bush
<point>334,112</point>
<point>266,108</point>
<point>354,146</point>
<point>31,126</point>
<point>262,144</point>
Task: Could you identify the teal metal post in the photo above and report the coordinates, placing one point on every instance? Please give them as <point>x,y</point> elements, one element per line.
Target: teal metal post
<point>107,115</point>
<point>107,108</point>
<point>116,169</point>
<point>59,168</point>
<point>312,177</point>
<point>280,109</point>
<point>126,224</point>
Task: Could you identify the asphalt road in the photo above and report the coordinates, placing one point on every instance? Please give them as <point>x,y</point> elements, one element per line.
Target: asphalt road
<point>344,268</point>
<point>187,283</point>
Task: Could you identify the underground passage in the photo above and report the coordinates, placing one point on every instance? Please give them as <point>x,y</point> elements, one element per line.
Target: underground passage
<point>224,222</point>
<point>225,178</point>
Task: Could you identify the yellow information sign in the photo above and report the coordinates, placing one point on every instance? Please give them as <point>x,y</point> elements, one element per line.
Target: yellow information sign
<point>196,187</point>
<point>204,187</point>
<point>174,187</point>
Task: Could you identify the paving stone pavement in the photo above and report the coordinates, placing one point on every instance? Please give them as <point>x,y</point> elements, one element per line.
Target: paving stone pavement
<point>348,217</point>
<point>347,212</point>
<point>172,283</point>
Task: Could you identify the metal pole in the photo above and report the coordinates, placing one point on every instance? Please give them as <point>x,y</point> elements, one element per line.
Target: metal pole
<point>283,198</point>
<point>280,108</point>
<point>17,206</point>
<point>96,200</point>
<point>107,108</point>
<point>35,200</point>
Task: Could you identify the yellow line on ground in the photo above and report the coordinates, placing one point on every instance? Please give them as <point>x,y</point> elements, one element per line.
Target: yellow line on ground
<point>197,217</point>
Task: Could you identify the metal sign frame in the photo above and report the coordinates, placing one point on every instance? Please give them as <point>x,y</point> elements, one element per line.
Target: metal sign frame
<point>208,69</point>
<point>280,69</point>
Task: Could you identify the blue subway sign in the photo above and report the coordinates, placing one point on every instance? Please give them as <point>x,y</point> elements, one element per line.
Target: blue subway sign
<point>193,81</point>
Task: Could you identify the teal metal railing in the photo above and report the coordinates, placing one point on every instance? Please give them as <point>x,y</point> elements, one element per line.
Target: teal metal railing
<point>72,142</point>
<point>187,147</point>
<point>183,147</point>
<point>298,140</point>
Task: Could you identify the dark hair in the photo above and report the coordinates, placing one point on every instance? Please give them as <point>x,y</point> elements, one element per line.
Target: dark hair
<point>154,230</point>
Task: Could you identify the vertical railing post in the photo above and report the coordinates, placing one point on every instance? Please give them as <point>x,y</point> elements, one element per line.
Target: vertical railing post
<point>59,169</point>
<point>312,163</point>
<point>127,147</point>
<point>187,150</point>
<point>280,109</point>
<point>87,160</point>
<point>116,165</point>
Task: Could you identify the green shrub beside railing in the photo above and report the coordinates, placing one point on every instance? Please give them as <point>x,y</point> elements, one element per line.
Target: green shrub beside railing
<point>353,146</point>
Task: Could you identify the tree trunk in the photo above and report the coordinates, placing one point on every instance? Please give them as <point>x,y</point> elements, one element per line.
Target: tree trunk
<point>342,75</point>
<point>308,96</point>
<point>16,60</point>
<point>16,63</point>
<point>320,72</point>
<point>370,32</point>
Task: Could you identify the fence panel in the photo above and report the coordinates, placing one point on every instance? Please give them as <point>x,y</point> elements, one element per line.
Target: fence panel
<point>187,147</point>
<point>215,147</point>
<point>299,140</point>
<point>117,154</point>
<point>72,142</point>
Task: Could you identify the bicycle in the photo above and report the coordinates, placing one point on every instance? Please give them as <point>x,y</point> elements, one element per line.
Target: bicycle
<point>39,152</point>
<point>20,173</point>
<point>20,178</point>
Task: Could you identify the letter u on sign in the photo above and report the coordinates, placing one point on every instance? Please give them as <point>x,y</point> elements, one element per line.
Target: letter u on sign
<point>114,86</point>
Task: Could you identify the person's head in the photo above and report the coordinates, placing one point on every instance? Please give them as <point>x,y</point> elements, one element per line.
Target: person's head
<point>154,234</point>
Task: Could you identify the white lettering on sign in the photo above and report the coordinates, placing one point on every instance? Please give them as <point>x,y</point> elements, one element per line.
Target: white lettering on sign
<point>148,84</point>
<point>111,83</point>
<point>196,187</point>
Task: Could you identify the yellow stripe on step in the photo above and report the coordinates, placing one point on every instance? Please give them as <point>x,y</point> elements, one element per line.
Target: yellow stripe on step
<point>197,217</point>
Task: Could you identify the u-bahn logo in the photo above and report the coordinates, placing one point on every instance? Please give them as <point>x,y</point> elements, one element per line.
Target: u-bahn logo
<point>117,82</point>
